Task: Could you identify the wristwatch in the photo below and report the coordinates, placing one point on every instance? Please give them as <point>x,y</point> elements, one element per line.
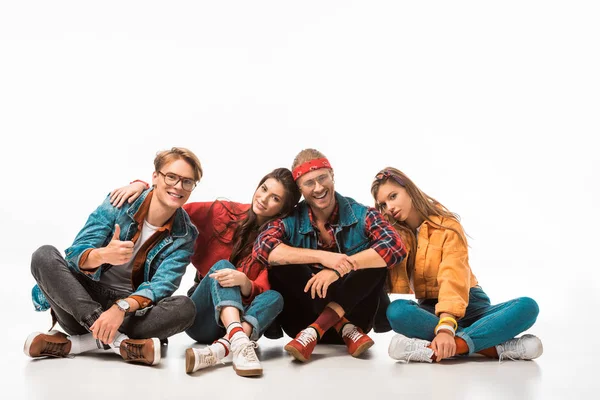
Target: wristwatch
<point>123,305</point>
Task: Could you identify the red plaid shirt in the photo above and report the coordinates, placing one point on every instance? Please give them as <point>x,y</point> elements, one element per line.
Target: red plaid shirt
<point>382,236</point>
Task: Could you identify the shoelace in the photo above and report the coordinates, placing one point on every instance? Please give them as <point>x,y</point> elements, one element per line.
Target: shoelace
<point>134,351</point>
<point>55,349</point>
<point>512,350</point>
<point>248,351</point>
<point>208,359</point>
<point>305,338</point>
<point>418,351</point>
<point>354,334</point>
<point>511,355</point>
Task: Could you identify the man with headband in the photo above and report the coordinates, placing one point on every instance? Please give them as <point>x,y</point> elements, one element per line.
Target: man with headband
<point>327,260</point>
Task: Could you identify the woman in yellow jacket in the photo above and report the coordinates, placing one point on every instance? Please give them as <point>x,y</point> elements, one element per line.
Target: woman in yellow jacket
<point>452,315</point>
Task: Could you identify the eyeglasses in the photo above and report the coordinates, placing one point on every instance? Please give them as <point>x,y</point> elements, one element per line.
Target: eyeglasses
<point>322,179</point>
<point>172,179</point>
<point>385,175</point>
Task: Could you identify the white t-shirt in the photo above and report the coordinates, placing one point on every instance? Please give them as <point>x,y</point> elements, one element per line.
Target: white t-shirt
<point>118,277</point>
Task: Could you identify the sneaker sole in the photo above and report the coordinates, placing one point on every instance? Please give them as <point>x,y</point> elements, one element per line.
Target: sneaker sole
<point>27,345</point>
<point>392,352</point>
<point>190,360</point>
<point>296,353</point>
<point>362,348</point>
<point>248,372</point>
<point>157,346</point>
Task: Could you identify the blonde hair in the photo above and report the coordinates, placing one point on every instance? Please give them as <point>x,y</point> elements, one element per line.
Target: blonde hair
<point>306,155</point>
<point>178,153</point>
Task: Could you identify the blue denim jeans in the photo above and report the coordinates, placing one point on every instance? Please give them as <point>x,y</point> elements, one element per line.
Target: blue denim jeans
<point>210,297</point>
<point>482,327</point>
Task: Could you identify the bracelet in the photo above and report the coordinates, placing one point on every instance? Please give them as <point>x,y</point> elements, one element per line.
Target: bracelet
<point>445,328</point>
<point>337,273</point>
<point>448,319</point>
<point>145,183</point>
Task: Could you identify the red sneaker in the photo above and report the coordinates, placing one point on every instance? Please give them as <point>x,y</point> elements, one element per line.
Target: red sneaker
<point>356,340</point>
<point>303,345</point>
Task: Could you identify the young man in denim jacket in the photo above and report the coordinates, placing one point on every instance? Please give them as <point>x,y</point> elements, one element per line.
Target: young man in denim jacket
<point>113,290</point>
<point>339,250</point>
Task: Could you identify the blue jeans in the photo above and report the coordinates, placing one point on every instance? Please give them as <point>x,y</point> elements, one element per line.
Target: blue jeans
<point>482,327</point>
<point>210,298</point>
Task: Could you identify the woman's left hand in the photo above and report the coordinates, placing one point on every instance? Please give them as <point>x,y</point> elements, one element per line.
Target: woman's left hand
<point>443,345</point>
<point>229,277</point>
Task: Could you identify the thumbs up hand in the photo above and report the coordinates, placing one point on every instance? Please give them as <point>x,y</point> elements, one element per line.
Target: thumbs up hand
<point>117,252</point>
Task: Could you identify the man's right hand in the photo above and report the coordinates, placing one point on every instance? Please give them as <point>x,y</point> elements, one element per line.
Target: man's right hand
<point>338,262</point>
<point>117,252</point>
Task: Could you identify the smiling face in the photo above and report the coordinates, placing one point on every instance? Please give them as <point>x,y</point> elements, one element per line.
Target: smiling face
<point>317,187</point>
<point>394,201</point>
<point>268,199</point>
<point>172,197</point>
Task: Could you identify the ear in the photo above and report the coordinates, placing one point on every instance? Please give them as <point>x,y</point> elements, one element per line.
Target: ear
<point>154,178</point>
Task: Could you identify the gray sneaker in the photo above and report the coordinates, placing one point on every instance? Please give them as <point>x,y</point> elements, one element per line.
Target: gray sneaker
<point>526,347</point>
<point>408,349</point>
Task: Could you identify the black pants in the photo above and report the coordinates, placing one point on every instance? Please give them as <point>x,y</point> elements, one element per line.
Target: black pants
<point>358,293</point>
<point>77,301</point>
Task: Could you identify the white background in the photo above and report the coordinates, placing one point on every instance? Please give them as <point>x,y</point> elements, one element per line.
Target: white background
<point>490,107</point>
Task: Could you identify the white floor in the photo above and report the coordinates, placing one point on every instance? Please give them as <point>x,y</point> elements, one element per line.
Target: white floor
<point>564,371</point>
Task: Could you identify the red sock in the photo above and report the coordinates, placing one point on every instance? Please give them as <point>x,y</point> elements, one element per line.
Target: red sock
<point>461,346</point>
<point>490,352</point>
<point>326,320</point>
<point>235,330</point>
<point>219,341</point>
<point>340,325</point>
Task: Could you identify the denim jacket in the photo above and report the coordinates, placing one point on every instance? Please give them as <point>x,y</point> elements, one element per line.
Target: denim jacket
<point>350,233</point>
<point>165,264</point>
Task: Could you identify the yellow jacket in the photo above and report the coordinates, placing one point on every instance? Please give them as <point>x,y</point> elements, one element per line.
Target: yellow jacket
<point>441,268</point>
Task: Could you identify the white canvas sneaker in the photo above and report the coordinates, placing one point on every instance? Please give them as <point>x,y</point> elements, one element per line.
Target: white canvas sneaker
<point>526,347</point>
<point>408,349</point>
<point>245,361</point>
<point>196,359</point>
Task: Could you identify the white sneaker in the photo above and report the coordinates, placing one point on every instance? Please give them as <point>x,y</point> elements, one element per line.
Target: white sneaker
<point>245,361</point>
<point>407,349</point>
<point>196,359</point>
<point>526,347</point>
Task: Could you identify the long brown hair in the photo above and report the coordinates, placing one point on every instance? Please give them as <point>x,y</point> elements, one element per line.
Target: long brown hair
<point>247,229</point>
<point>425,205</point>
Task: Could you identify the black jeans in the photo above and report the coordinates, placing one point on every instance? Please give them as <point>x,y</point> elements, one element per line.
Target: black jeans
<point>77,301</point>
<point>358,293</point>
